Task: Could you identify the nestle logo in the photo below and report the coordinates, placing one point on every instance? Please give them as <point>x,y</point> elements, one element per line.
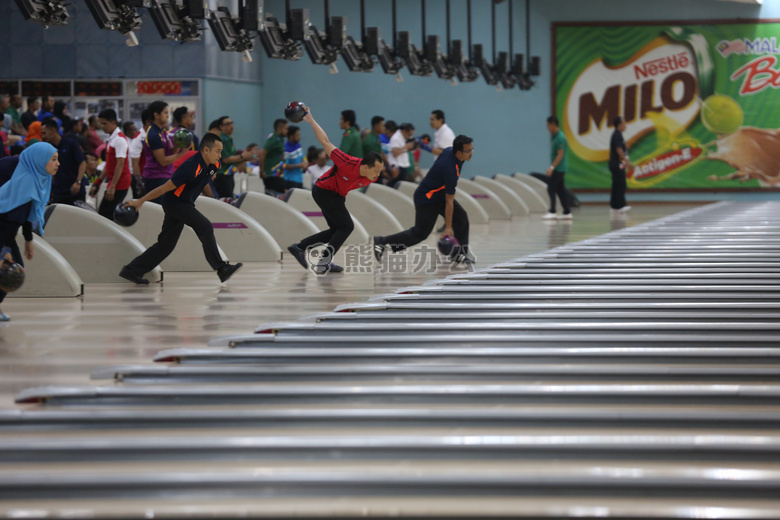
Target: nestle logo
<point>661,65</point>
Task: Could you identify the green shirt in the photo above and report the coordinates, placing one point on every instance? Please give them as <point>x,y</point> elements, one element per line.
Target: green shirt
<point>559,143</point>
<point>14,115</point>
<point>228,149</point>
<point>351,144</point>
<point>372,144</point>
<point>274,152</point>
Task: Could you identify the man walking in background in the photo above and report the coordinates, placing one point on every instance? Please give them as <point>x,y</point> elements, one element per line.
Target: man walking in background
<point>618,166</point>
<point>557,170</point>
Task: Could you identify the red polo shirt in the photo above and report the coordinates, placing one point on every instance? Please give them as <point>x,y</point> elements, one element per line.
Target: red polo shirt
<point>344,176</point>
<point>117,148</point>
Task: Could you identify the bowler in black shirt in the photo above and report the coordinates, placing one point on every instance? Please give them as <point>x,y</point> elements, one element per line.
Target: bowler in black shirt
<point>618,165</point>
<point>433,197</point>
<point>178,202</point>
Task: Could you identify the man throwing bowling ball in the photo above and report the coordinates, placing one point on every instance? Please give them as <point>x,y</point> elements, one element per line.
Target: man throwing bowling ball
<point>178,202</point>
<point>436,196</point>
<point>330,192</point>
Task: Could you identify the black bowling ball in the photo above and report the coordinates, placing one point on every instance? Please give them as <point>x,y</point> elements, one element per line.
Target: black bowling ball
<point>11,276</point>
<point>125,215</point>
<point>294,111</point>
<point>448,246</point>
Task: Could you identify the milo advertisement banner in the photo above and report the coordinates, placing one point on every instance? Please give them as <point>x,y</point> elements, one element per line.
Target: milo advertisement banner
<point>700,102</point>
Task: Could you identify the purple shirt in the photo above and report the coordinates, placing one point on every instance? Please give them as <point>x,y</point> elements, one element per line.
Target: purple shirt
<point>157,138</point>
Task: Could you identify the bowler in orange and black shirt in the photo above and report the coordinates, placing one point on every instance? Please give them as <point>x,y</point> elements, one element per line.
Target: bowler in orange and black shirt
<point>178,202</point>
<point>436,196</point>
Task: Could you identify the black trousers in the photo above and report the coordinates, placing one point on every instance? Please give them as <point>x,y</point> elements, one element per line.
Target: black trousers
<point>424,221</point>
<point>137,186</point>
<point>276,184</point>
<point>177,215</point>
<point>106,207</point>
<point>225,185</point>
<point>340,224</point>
<point>557,187</point>
<point>617,198</point>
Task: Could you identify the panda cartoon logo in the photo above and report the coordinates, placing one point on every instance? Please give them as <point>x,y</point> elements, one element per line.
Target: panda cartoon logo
<point>319,257</point>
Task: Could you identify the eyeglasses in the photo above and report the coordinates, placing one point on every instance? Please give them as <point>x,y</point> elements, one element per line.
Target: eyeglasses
<point>227,123</point>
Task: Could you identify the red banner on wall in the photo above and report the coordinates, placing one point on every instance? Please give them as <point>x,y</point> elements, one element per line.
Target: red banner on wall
<point>159,87</point>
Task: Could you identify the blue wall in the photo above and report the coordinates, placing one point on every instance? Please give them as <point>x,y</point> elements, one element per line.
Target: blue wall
<point>508,126</point>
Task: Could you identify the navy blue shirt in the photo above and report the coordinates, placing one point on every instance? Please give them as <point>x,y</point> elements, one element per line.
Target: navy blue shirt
<point>615,143</point>
<point>70,156</point>
<point>441,179</point>
<point>190,178</point>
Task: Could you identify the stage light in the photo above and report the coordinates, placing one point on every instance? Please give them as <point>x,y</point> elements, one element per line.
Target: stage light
<point>229,34</point>
<point>463,69</point>
<point>44,12</point>
<point>535,68</point>
<point>417,65</point>
<point>317,48</point>
<point>524,81</point>
<point>117,15</point>
<point>434,56</point>
<point>485,68</point>
<point>374,45</point>
<point>277,43</point>
<point>355,57</point>
<point>174,22</point>
<point>314,41</point>
<point>503,72</point>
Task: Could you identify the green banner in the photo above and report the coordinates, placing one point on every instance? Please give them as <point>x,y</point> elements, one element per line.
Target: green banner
<point>700,102</point>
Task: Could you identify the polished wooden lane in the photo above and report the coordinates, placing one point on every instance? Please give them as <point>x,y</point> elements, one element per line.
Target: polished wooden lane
<point>60,341</point>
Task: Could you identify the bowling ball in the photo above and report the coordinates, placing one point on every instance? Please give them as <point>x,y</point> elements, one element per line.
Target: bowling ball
<point>448,246</point>
<point>721,114</point>
<point>125,215</point>
<point>182,138</point>
<point>294,111</point>
<point>11,276</point>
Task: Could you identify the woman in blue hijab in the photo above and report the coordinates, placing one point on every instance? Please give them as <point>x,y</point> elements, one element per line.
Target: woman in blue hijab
<point>25,187</point>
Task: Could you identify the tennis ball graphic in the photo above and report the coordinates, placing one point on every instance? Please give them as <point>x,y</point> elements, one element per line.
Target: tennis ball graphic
<point>721,114</point>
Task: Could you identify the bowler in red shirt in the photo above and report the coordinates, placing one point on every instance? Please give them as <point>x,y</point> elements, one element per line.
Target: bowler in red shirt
<point>329,192</point>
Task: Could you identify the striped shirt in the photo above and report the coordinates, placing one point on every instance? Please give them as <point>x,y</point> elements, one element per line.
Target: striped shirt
<point>293,154</point>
